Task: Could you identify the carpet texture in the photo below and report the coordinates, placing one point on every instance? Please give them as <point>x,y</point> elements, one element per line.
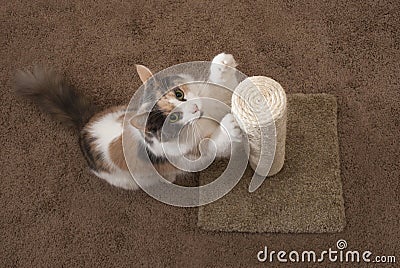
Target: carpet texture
<point>54,213</point>
<point>305,196</point>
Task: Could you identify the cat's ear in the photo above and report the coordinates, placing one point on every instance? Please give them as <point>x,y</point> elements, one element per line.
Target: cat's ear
<point>143,72</point>
<point>139,120</point>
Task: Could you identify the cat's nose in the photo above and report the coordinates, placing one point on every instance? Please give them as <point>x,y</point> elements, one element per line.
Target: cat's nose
<point>195,108</point>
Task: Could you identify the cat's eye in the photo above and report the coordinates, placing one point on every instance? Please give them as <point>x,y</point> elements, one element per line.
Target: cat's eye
<point>179,94</point>
<point>174,117</point>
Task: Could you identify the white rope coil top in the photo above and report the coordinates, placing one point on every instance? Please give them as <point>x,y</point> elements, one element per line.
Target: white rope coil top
<point>259,104</point>
<point>249,100</point>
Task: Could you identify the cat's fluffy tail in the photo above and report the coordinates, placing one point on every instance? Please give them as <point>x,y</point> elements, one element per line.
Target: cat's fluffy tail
<point>53,95</point>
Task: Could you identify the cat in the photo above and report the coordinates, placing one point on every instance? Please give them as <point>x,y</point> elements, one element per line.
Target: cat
<point>100,133</point>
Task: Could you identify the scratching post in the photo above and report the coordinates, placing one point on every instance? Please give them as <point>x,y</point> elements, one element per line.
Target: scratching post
<point>259,103</point>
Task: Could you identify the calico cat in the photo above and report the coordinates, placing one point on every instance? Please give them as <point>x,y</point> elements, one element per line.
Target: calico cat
<point>100,133</point>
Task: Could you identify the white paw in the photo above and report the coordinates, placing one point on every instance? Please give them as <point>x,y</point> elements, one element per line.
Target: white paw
<point>232,127</point>
<point>225,59</point>
<point>223,71</point>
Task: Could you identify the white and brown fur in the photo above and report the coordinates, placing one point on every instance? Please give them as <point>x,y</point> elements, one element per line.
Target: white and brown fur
<point>100,133</point>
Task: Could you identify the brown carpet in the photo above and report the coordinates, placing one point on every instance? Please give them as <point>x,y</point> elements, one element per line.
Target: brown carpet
<point>305,196</point>
<point>53,212</point>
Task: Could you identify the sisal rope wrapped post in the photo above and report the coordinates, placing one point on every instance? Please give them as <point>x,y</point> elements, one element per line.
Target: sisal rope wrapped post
<point>259,104</point>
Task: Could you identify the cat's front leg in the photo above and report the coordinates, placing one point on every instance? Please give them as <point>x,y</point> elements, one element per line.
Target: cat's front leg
<point>227,131</point>
<point>222,81</point>
<point>223,72</point>
<point>222,66</point>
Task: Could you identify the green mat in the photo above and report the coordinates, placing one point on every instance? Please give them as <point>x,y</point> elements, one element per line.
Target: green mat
<point>305,196</point>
